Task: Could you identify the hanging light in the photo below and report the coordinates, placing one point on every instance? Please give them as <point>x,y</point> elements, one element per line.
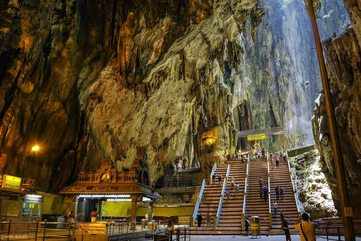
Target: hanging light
<point>35,148</point>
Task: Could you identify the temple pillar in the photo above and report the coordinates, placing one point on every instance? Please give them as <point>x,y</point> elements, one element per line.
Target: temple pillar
<point>133,212</point>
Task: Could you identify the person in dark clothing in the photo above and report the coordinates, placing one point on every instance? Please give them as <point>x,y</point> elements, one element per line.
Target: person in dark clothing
<point>281,193</point>
<point>246,225</point>
<point>227,193</point>
<point>260,181</point>
<point>277,191</point>
<point>285,228</point>
<point>199,220</point>
<point>265,193</point>
<point>277,161</point>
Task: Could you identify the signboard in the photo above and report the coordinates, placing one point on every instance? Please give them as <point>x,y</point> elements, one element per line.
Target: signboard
<point>11,182</point>
<point>257,137</point>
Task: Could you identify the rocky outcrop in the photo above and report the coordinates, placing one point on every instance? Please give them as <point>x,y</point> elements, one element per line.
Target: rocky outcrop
<point>311,183</point>
<point>343,63</point>
<point>137,80</point>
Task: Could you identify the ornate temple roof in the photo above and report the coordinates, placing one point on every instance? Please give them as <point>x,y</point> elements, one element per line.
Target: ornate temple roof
<point>108,180</point>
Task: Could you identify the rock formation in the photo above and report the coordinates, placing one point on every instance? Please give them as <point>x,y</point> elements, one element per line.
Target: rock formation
<point>120,81</point>
<point>343,63</point>
<point>314,191</point>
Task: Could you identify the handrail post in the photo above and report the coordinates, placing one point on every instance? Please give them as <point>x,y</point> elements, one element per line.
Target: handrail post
<point>178,234</point>
<point>9,230</point>
<point>36,231</point>
<point>44,231</point>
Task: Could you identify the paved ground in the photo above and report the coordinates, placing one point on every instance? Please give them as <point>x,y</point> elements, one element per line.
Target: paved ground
<point>261,238</point>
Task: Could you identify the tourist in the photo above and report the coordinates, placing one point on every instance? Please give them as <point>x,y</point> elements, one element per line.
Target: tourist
<point>277,191</point>
<point>281,193</point>
<point>180,165</point>
<point>265,193</point>
<point>199,220</point>
<point>238,187</point>
<point>246,225</point>
<point>306,228</point>
<point>220,177</point>
<point>227,193</point>
<point>275,208</point>
<point>260,181</point>
<point>228,158</point>
<point>277,161</point>
<point>215,177</point>
<point>93,216</point>
<point>70,219</point>
<point>284,225</point>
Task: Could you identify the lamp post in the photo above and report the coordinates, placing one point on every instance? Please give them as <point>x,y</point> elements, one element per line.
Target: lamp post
<point>346,208</point>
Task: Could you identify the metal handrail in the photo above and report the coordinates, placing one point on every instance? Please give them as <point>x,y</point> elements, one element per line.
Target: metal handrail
<point>245,188</point>
<point>228,171</point>
<point>199,200</point>
<point>220,204</point>
<point>293,177</point>
<point>269,186</point>
<point>214,169</point>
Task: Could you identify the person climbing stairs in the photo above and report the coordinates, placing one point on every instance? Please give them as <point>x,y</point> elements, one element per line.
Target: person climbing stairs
<point>286,204</point>
<point>230,221</point>
<point>231,217</point>
<point>255,204</point>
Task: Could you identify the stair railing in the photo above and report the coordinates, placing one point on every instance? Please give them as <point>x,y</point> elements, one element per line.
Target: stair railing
<point>245,189</point>
<point>199,200</point>
<point>296,193</point>
<point>214,169</point>
<point>221,198</point>
<point>269,186</point>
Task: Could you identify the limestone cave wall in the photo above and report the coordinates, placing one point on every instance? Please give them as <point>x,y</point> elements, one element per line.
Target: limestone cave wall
<point>116,80</point>
<point>343,62</point>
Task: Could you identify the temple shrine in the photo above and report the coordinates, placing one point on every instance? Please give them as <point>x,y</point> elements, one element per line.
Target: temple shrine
<point>93,190</point>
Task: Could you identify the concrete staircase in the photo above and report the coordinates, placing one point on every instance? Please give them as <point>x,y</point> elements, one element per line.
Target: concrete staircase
<point>256,206</point>
<point>231,217</point>
<point>280,176</point>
